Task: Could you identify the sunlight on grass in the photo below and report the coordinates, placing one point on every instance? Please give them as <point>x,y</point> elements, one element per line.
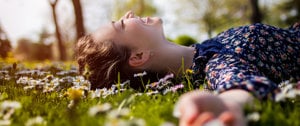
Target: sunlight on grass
<point>54,94</point>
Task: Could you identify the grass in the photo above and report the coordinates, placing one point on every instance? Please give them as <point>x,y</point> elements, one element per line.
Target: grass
<point>128,107</point>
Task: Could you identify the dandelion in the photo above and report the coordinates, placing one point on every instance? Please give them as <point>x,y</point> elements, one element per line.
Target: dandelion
<point>189,71</point>
<point>140,74</point>
<point>93,111</point>
<point>75,94</point>
<point>36,121</point>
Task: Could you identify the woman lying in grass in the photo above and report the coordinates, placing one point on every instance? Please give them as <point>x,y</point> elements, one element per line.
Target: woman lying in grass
<point>238,63</point>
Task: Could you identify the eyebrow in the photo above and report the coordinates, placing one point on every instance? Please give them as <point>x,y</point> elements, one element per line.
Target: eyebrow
<point>113,25</point>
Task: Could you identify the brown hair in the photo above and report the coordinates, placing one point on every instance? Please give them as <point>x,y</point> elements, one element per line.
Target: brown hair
<point>104,60</point>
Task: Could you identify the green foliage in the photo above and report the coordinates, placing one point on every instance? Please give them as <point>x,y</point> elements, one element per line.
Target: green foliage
<point>278,113</point>
<point>153,110</point>
<point>53,108</point>
<point>185,40</point>
<point>291,9</point>
<point>139,7</point>
<point>217,15</point>
<point>283,14</point>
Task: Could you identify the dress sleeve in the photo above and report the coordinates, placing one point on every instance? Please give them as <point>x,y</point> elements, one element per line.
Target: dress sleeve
<point>226,72</point>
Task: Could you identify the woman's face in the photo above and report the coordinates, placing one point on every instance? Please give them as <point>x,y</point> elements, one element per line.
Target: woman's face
<point>133,32</point>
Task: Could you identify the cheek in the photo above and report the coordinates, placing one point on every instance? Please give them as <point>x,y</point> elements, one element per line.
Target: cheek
<point>139,32</point>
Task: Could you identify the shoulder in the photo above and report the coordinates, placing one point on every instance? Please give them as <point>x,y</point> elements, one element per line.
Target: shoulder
<point>251,28</point>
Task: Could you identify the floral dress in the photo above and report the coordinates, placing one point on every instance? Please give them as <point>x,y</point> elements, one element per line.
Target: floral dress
<point>255,58</point>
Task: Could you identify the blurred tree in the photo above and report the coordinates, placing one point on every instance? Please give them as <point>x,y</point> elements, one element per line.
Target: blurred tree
<point>40,51</point>
<point>29,50</point>
<point>283,14</point>
<point>61,46</point>
<point>290,11</point>
<point>185,40</point>
<point>256,16</point>
<point>22,51</point>
<point>43,47</point>
<point>80,31</point>
<point>5,46</point>
<point>139,7</point>
<point>214,16</point>
<point>217,15</point>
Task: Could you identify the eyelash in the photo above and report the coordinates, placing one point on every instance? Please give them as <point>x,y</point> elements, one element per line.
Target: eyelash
<point>122,23</point>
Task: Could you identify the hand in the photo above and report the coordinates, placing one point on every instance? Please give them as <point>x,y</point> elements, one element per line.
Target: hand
<point>198,108</point>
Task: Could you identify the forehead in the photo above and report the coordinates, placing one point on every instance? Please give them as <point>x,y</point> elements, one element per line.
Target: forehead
<point>105,32</point>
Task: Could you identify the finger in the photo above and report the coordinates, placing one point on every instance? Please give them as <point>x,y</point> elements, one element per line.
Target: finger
<point>227,118</point>
<point>203,118</point>
<point>187,108</point>
<point>188,113</point>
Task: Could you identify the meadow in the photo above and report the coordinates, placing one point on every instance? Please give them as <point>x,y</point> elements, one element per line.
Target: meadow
<point>54,94</point>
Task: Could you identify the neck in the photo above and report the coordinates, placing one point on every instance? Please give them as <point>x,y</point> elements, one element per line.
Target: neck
<point>173,58</point>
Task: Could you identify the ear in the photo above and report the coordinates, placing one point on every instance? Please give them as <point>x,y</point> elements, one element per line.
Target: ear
<point>139,58</point>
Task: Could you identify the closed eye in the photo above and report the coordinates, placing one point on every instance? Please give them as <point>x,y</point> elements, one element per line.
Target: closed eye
<point>122,24</point>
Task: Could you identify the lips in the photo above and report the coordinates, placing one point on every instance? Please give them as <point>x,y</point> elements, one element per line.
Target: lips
<point>145,20</point>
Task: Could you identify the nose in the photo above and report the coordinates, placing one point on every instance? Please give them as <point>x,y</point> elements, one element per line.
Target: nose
<point>128,14</point>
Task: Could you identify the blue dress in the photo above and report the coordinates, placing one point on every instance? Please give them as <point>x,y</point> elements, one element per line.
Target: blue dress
<point>255,58</point>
